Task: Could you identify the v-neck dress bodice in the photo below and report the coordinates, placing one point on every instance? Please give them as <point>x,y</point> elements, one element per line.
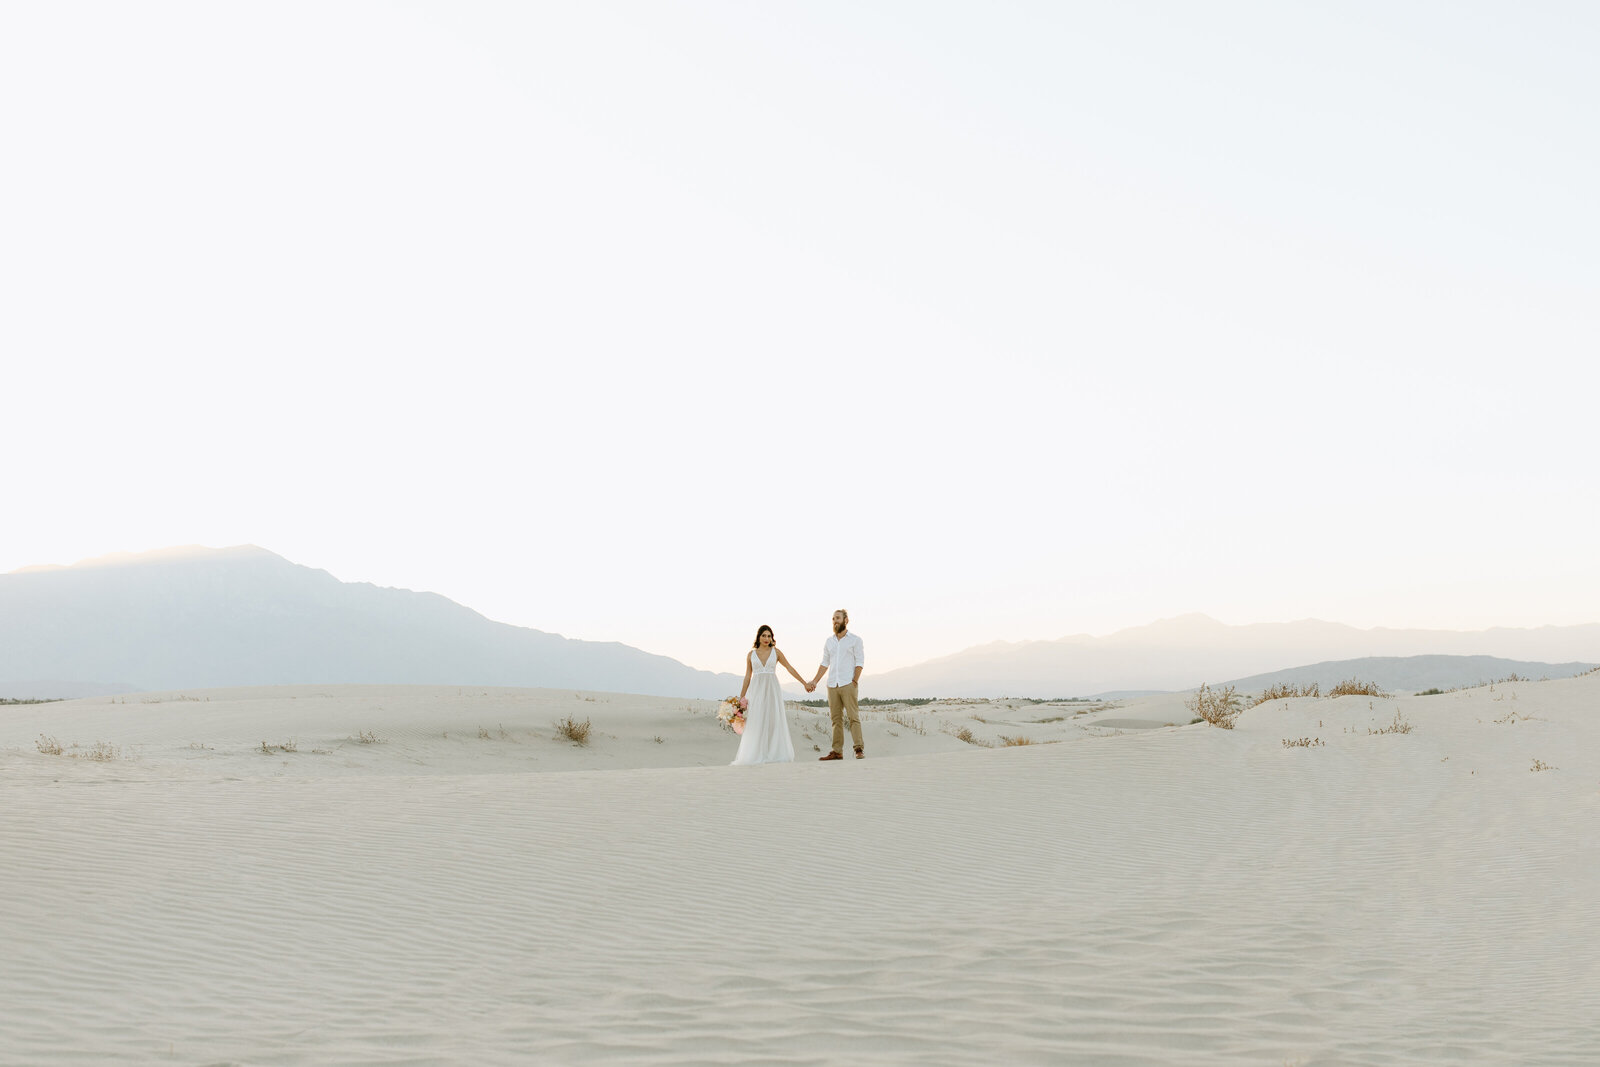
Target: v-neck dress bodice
<point>766,723</point>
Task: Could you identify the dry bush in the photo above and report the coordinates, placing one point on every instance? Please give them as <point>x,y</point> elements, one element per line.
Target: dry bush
<point>1284,691</point>
<point>1398,726</point>
<point>48,745</point>
<point>1352,688</point>
<point>573,730</point>
<point>1304,742</point>
<point>963,733</point>
<point>101,752</point>
<point>1541,765</point>
<point>287,746</point>
<point>1219,707</point>
<point>1012,742</point>
<point>902,719</point>
<point>367,737</point>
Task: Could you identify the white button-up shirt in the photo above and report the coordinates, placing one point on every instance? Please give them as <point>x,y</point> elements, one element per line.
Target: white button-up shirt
<point>842,657</point>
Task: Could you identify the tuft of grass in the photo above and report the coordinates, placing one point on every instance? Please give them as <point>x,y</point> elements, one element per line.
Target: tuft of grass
<point>1284,691</point>
<point>367,737</point>
<point>1219,707</point>
<point>901,719</point>
<point>7,701</point>
<point>287,746</point>
<point>483,735</point>
<point>1431,692</point>
<point>658,739</point>
<point>1352,688</point>
<point>101,752</point>
<point>48,745</point>
<point>1541,765</point>
<point>573,730</point>
<point>1303,742</point>
<point>1013,742</point>
<point>964,733</point>
<point>1398,726</point>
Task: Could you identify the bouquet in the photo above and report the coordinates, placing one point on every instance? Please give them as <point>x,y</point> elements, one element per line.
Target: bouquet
<point>731,713</point>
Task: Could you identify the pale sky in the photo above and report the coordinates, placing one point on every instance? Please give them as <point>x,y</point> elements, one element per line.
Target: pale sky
<point>653,322</point>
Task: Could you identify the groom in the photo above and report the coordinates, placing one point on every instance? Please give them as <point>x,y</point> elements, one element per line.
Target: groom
<point>842,660</point>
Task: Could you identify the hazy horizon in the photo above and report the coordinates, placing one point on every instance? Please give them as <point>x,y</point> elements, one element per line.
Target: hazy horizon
<point>654,323</point>
<point>1190,622</point>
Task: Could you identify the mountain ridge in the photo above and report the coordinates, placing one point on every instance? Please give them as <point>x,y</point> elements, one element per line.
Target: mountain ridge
<point>243,615</point>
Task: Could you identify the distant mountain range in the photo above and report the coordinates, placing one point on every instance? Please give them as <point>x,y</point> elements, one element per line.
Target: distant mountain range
<point>1411,672</point>
<point>1181,653</point>
<point>196,617</point>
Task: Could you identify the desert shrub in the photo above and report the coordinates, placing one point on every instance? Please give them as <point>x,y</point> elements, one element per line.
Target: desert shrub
<point>867,702</point>
<point>1430,693</point>
<point>964,733</point>
<point>48,745</point>
<point>573,730</point>
<point>1304,742</point>
<point>1284,691</point>
<point>907,721</point>
<point>1012,742</point>
<point>1352,688</point>
<point>1398,726</point>
<point>1219,707</point>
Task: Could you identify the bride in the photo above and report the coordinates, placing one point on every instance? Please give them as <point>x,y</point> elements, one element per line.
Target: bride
<point>766,724</point>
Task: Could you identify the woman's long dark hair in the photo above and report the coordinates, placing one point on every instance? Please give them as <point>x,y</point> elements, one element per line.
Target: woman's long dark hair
<point>765,630</point>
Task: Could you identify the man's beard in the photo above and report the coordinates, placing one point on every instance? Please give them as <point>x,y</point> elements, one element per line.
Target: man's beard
<point>840,627</point>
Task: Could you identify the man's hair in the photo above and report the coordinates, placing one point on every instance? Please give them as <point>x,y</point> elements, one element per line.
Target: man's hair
<point>845,613</point>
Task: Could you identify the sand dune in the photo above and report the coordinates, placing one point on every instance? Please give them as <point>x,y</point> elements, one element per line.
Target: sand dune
<point>1131,895</point>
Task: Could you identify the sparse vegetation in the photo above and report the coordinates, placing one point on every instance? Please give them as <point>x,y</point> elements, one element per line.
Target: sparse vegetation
<point>963,733</point>
<point>1431,692</point>
<point>1350,687</point>
<point>900,719</point>
<point>869,702</point>
<point>1398,726</point>
<point>1285,691</point>
<point>483,734</point>
<point>30,700</point>
<point>1013,742</point>
<point>573,730</point>
<point>287,746</point>
<point>366,737</point>
<point>99,752</point>
<point>1219,707</point>
<point>1304,742</point>
<point>1541,765</point>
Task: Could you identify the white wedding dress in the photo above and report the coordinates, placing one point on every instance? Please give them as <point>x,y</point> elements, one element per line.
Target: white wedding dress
<point>766,723</point>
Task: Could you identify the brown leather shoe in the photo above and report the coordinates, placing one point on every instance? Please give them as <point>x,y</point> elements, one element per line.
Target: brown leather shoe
<point>860,754</point>
<point>829,756</point>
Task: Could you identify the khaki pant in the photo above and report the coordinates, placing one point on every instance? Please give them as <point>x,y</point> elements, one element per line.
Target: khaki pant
<point>841,699</point>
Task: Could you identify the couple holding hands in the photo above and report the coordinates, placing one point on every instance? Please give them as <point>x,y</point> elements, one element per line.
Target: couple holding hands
<point>766,726</point>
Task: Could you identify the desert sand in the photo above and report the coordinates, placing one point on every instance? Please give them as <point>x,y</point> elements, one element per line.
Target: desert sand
<point>426,875</point>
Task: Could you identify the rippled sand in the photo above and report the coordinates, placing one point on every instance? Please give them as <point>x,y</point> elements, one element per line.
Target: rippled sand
<point>1169,895</point>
